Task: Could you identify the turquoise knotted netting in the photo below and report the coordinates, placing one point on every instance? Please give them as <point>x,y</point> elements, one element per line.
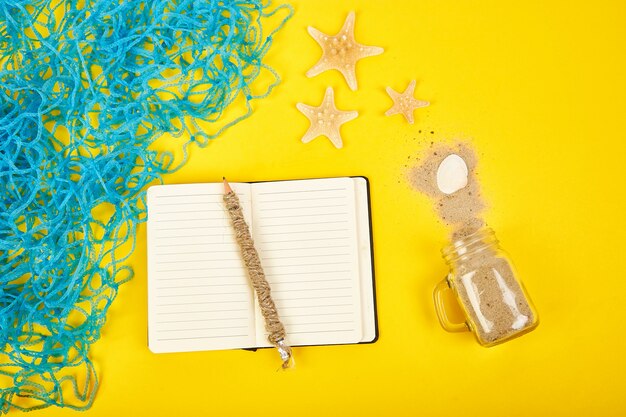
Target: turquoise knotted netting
<point>86,89</point>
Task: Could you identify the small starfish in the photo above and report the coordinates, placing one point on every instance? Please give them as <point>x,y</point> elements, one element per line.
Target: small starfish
<point>326,119</point>
<point>405,103</point>
<point>341,52</point>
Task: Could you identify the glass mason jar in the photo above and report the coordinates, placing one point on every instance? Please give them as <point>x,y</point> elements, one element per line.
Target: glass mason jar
<point>494,302</point>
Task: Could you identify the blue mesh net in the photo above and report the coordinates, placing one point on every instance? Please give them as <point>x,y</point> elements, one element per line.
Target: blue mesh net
<point>86,88</point>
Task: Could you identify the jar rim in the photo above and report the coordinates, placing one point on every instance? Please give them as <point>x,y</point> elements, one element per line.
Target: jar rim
<point>476,241</point>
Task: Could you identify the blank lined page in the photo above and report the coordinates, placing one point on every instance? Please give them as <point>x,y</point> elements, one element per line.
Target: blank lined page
<point>305,232</point>
<point>199,297</point>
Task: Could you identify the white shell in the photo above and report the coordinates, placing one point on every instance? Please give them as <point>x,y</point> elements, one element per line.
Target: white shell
<point>452,174</point>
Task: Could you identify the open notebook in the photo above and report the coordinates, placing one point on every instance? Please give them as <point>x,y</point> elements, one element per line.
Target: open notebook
<point>313,237</point>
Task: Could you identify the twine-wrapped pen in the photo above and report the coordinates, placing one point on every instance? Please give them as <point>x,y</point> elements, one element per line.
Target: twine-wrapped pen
<point>261,287</point>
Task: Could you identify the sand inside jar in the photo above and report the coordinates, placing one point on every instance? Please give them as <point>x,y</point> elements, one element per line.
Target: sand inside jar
<point>496,303</point>
<point>494,299</point>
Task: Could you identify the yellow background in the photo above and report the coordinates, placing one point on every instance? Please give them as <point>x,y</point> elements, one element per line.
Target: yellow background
<point>539,88</point>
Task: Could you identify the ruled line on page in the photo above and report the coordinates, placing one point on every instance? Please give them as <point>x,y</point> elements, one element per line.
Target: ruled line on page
<point>301,191</point>
<point>188,203</point>
<point>321,297</point>
<point>201,277</point>
<point>312,323</point>
<point>300,224</point>
<point>200,328</point>
<point>218,235</point>
<point>187,211</point>
<point>201,337</point>
<point>323,331</point>
<point>316,314</point>
<point>304,215</point>
<point>202,303</point>
<point>190,244</point>
<point>307,248</point>
<point>317,264</point>
<point>194,252</point>
<point>312,289</point>
<point>322,305</point>
<point>201,295</point>
<point>201,311</point>
<point>305,256</point>
<point>310,281</point>
<point>191,227</point>
<point>184,220</point>
<point>202,286</point>
<point>211,230</point>
<point>301,207</point>
<point>303,240</point>
<point>307,273</point>
<point>302,199</point>
<point>201,320</point>
<point>198,269</point>
<point>305,231</point>
<point>184,261</point>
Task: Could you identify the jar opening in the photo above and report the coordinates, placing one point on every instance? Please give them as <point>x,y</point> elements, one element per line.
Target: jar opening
<point>469,244</point>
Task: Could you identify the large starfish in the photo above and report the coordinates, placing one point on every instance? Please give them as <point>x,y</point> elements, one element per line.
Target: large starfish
<point>326,119</point>
<point>404,103</point>
<point>341,52</point>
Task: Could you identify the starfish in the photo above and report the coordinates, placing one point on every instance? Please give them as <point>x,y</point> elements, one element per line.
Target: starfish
<point>341,52</point>
<point>405,103</point>
<point>325,119</point>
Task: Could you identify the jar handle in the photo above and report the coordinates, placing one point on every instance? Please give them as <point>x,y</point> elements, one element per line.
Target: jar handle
<point>441,310</point>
